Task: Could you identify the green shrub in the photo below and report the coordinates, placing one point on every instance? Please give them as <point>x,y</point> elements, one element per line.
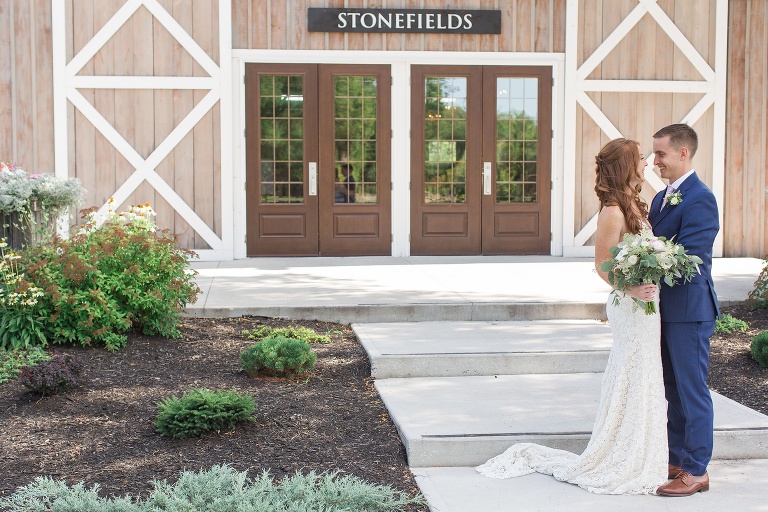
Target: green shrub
<point>11,361</point>
<point>728,323</point>
<point>296,333</point>
<point>278,355</point>
<point>21,324</point>
<point>220,489</point>
<point>201,410</point>
<point>758,297</point>
<point>759,349</point>
<point>107,278</point>
<point>59,374</point>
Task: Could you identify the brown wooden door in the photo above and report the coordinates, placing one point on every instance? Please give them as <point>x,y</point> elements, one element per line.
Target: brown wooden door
<point>480,160</point>
<point>517,149</point>
<point>354,168</point>
<point>306,125</point>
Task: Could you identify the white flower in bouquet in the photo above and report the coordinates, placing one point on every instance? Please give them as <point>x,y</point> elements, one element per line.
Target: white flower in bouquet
<point>644,258</point>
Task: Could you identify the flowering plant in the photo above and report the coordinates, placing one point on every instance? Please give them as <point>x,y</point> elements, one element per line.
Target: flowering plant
<point>674,199</point>
<point>644,258</point>
<point>18,189</point>
<point>20,327</point>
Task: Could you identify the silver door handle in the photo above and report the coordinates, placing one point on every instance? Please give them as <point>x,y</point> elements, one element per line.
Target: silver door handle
<point>313,178</point>
<point>487,178</point>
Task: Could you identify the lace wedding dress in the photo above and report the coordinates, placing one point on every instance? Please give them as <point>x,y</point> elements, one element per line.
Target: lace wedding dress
<point>627,453</point>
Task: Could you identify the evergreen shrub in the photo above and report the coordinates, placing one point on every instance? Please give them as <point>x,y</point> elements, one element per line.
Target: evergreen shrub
<point>759,349</point>
<point>296,333</point>
<point>201,410</point>
<point>278,355</point>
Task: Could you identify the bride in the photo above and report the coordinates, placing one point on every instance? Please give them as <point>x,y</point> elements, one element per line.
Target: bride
<point>627,453</point>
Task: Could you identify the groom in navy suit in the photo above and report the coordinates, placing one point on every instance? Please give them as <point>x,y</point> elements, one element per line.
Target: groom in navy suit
<point>687,211</point>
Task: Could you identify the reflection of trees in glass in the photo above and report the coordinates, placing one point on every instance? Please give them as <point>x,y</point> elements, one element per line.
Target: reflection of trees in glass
<point>281,138</point>
<point>445,125</point>
<point>355,114</point>
<point>516,158</point>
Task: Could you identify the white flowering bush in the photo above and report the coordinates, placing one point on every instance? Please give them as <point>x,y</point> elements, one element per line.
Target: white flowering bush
<point>644,258</point>
<point>20,324</point>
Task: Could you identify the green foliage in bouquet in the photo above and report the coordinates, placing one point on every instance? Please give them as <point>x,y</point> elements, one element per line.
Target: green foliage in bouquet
<point>727,324</point>
<point>57,375</point>
<point>644,258</point>
<point>109,277</point>
<point>758,297</point>
<point>278,355</point>
<point>759,349</point>
<point>201,410</point>
<point>219,489</point>
<point>12,361</point>
<point>296,333</point>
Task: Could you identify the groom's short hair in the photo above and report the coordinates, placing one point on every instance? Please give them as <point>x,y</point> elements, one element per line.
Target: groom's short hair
<point>680,135</point>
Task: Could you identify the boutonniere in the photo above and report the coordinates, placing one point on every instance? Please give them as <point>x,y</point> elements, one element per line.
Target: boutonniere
<point>673,199</point>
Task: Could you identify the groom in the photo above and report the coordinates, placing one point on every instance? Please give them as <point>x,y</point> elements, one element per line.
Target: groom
<point>687,211</point>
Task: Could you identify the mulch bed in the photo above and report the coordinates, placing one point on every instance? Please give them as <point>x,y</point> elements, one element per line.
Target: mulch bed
<point>331,420</point>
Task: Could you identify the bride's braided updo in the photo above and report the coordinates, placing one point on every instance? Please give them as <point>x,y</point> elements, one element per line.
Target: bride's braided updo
<point>617,164</point>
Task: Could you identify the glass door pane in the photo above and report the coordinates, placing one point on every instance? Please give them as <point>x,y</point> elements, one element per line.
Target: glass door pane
<point>355,115</point>
<point>281,138</point>
<point>445,139</point>
<point>517,131</point>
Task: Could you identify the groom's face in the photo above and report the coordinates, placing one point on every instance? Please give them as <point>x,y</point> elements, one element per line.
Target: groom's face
<point>669,160</point>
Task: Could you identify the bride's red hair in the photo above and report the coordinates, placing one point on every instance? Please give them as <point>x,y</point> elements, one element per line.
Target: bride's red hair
<point>617,164</point>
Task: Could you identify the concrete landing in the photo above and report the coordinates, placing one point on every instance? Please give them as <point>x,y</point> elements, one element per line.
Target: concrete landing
<point>737,486</point>
<point>445,349</point>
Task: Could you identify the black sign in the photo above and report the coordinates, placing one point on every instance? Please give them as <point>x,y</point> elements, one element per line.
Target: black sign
<point>443,21</point>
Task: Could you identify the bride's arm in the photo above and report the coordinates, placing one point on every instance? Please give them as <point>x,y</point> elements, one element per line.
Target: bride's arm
<point>610,224</point>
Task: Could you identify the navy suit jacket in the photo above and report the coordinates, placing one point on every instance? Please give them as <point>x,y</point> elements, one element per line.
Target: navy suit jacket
<point>694,224</point>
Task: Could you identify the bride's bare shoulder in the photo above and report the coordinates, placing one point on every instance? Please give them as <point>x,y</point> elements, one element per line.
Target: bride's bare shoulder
<point>611,214</point>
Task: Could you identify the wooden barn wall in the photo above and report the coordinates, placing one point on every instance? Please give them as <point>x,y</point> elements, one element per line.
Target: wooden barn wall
<point>637,57</point>
<point>528,26</point>
<point>145,117</point>
<point>26,84</point>
<point>746,153</point>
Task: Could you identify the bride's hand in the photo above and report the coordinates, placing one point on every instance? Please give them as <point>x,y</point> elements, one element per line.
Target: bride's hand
<point>643,292</point>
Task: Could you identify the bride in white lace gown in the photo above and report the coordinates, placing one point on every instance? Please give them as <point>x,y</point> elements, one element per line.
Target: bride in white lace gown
<point>627,453</point>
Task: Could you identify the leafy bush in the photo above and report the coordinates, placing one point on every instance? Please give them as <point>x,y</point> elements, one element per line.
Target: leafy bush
<point>21,325</point>
<point>109,277</point>
<point>11,361</point>
<point>296,333</point>
<point>278,355</point>
<point>57,375</point>
<point>728,323</point>
<point>220,489</point>
<point>759,349</point>
<point>758,297</point>
<point>201,410</point>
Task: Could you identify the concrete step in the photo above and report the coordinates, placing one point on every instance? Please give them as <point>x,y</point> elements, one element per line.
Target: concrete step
<point>734,485</point>
<point>445,349</point>
<point>406,311</point>
<point>464,421</point>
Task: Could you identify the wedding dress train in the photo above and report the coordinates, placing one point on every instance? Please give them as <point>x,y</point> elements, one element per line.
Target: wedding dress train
<point>627,453</point>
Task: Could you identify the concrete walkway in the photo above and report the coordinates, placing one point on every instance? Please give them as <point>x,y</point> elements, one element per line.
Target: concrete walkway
<point>386,289</point>
<point>454,341</point>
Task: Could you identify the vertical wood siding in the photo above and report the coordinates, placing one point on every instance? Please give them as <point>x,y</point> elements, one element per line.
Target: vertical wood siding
<point>746,153</point>
<point>144,47</point>
<point>639,115</point>
<point>26,88</point>
<point>527,25</point>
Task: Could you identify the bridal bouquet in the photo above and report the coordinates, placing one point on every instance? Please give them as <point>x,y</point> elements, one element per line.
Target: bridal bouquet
<point>644,258</point>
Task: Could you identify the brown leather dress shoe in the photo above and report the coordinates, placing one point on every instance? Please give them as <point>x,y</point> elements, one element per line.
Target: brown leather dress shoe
<point>685,484</point>
<point>673,471</point>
